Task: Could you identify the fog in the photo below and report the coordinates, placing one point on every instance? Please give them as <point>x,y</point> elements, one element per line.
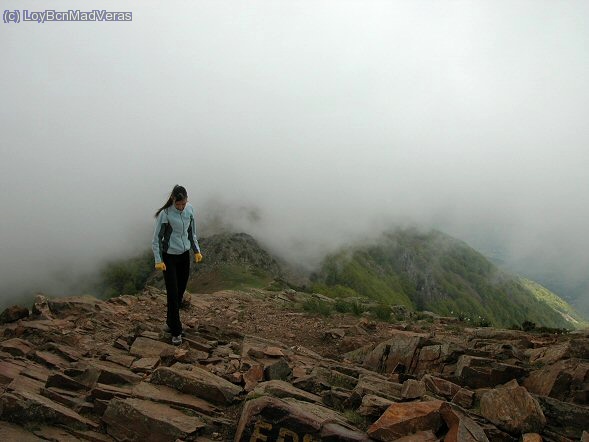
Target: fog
<point>305,123</point>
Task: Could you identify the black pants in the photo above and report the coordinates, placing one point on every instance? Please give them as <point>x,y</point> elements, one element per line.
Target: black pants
<point>176,278</point>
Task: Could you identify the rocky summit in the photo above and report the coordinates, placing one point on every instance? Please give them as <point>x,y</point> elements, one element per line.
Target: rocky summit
<point>253,366</point>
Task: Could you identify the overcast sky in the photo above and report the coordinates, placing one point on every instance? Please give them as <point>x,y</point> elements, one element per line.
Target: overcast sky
<point>306,123</point>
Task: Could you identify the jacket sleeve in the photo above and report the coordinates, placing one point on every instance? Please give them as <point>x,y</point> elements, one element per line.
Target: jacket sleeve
<point>192,234</point>
<point>158,236</point>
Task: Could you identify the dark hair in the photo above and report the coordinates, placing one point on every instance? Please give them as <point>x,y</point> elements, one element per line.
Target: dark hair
<point>178,194</point>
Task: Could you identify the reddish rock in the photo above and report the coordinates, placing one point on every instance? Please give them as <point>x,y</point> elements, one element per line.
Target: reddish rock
<point>281,389</point>
<point>74,305</point>
<point>420,436</point>
<point>464,398</point>
<point>273,352</point>
<point>13,314</point>
<point>252,376</point>
<point>167,395</point>
<point>16,347</point>
<point>149,348</point>
<point>24,407</point>
<point>334,333</point>
<point>121,359</point>
<point>197,381</point>
<point>403,419</point>
<point>412,389</point>
<point>61,380</point>
<point>25,383</point>
<point>562,380</point>
<point>109,373</point>
<point>461,427</point>
<point>531,437</point>
<point>145,365</point>
<point>548,355</point>
<point>65,351</point>
<point>48,359</point>
<point>376,387</point>
<point>512,409</point>
<point>269,418</point>
<point>373,406</point>
<point>8,371</point>
<point>477,372</point>
<point>441,387</point>
<point>146,421</point>
<point>396,354</point>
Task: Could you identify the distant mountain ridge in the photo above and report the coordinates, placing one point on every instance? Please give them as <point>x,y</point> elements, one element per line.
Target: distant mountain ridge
<point>423,271</point>
<point>433,271</point>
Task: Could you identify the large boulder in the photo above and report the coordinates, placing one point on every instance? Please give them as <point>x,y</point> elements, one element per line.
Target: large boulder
<point>477,372</point>
<point>402,419</point>
<point>568,420</point>
<point>513,409</point>
<point>269,418</point>
<point>566,380</point>
<point>395,355</point>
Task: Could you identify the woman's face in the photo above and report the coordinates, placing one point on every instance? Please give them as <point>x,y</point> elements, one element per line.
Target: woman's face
<point>180,204</point>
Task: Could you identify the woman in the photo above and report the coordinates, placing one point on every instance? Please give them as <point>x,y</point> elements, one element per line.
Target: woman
<point>174,235</point>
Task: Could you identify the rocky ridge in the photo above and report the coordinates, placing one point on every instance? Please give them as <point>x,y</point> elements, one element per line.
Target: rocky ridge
<point>252,367</point>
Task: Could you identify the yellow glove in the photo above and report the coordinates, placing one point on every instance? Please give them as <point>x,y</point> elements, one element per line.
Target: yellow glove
<point>160,266</point>
<point>197,257</point>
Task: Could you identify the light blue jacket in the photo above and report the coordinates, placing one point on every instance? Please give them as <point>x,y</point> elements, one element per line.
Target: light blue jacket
<point>174,232</point>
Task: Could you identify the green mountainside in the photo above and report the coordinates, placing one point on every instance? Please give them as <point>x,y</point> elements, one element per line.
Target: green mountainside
<point>423,271</point>
<point>433,271</point>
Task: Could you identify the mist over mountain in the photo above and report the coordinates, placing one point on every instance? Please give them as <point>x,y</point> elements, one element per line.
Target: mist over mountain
<point>306,124</point>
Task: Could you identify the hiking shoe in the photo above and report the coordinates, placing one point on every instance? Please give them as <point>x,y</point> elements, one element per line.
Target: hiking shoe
<point>166,329</point>
<point>176,340</point>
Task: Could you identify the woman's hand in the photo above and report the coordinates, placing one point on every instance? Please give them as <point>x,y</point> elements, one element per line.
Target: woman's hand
<point>197,257</point>
<point>160,266</point>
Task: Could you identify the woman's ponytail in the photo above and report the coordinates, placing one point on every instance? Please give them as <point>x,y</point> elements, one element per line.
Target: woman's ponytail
<point>178,194</point>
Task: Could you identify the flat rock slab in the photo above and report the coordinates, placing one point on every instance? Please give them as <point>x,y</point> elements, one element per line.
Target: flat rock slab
<point>49,359</point>
<point>149,348</point>
<point>74,305</point>
<point>140,420</point>
<point>269,418</point>
<point>197,381</point>
<point>113,374</point>
<point>145,365</point>
<point>161,393</point>
<point>477,372</point>
<point>24,407</point>
<point>17,347</point>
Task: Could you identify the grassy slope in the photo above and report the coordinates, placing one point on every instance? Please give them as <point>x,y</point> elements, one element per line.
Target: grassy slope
<point>436,272</point>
